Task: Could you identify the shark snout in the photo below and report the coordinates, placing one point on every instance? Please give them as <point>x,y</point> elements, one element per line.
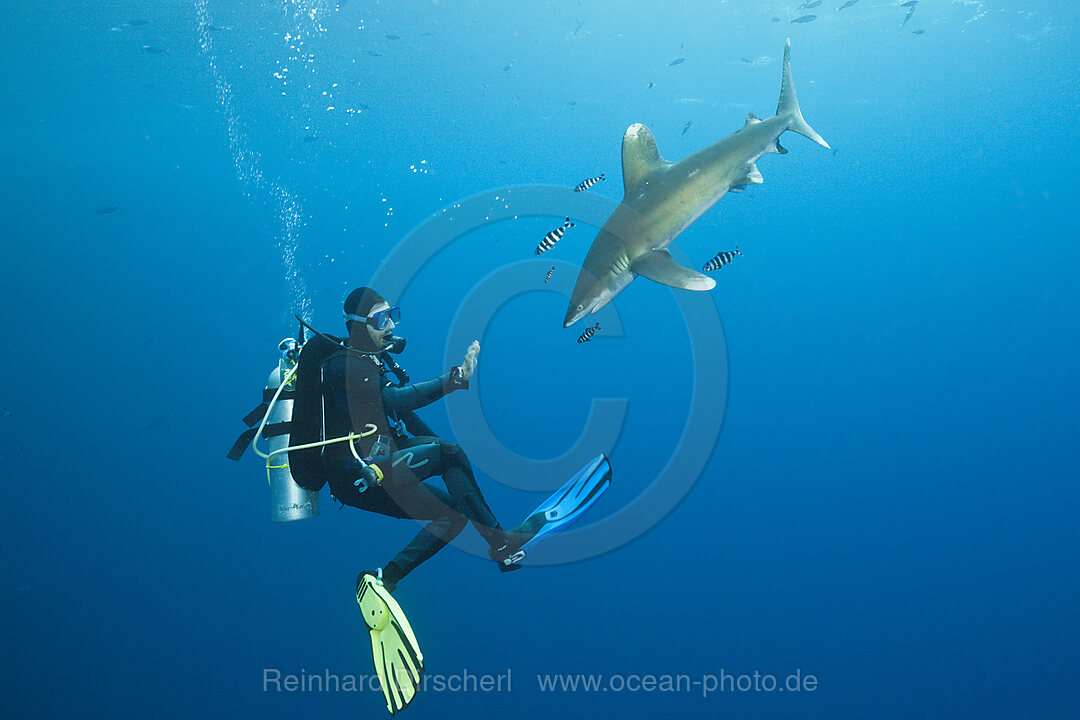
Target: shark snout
<point>573,314</point>
<point>577,309</point>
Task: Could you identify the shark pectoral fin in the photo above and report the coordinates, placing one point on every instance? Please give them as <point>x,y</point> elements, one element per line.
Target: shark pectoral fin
<point>640,156</point>
<point>659,266</point>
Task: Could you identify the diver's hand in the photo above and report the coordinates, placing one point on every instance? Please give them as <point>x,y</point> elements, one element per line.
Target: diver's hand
<point>468,367</point>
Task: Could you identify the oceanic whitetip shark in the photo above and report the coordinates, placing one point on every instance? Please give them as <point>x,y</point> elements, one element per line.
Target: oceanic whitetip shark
<point>661,199</point>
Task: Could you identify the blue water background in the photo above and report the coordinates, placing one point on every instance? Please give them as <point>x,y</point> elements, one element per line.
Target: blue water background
<point>891,505</point>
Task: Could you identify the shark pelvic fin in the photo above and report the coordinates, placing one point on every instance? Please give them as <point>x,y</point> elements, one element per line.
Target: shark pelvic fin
<point>789,104</point>
<point>640,156</point>
<point>659,266</point>
<point>752,176</point>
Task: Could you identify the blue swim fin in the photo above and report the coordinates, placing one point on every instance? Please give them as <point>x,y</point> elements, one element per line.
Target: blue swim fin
<point>561,509</point>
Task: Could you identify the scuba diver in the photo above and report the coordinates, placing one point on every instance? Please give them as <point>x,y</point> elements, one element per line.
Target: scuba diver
<point>357,393</point>
<point>343,413</point>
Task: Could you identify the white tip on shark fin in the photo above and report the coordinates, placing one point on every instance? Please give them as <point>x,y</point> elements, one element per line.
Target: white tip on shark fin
<point>640,156</point>
<point>659,266</point>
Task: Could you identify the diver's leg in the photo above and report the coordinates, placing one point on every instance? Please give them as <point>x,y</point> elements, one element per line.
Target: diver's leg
<point>447,521</point>
<point>460,481</point>
<point>421,458</point>
<point>416,501</point>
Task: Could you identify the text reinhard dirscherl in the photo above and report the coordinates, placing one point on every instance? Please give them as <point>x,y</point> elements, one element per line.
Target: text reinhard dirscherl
<point>274,680</point>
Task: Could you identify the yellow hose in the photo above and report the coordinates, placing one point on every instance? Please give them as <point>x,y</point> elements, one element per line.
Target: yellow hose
<point>369,429</point>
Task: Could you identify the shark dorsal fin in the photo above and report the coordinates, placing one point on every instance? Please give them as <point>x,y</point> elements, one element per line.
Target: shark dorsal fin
<point>640,156</point>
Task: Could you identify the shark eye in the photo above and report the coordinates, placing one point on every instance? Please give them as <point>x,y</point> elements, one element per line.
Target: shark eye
<point>580,307</point>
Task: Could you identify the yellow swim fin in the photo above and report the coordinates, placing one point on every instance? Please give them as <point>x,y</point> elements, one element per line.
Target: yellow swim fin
<point>398,660</point>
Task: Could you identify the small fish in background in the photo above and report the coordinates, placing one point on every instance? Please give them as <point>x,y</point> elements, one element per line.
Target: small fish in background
<point>152,50</point>
<point>107,210</point>
<point>7,413</point>
<point>676,61</point>
<point>589,332</point>
<point>137,23</point>
<point>553,237</point>
<point>586,184</point>
<point>720,260</point>
<point>805,19</point>
<point>848,4</point>
<point>910,5</point>
<point>651,86</point>
<point>572,103</point>
<point>810,4</point>
<point>311,138</point>
<point>391,36</point>
<point>917,32</point>
<point>580,24</point>
<point>689,123</point>
<point>372,53</point>
<point>547,279</point>
<point>775,19</point>
<point>157,422</point>
<point>507,67</point>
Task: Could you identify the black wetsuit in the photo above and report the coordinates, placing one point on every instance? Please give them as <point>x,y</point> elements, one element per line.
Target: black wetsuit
<point>356,393</point>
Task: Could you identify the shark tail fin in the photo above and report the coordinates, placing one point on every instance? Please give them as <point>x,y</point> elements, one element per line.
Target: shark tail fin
<point>789,103</point>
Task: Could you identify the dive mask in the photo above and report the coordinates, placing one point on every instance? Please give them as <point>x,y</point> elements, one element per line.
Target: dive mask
<point>379,320</point>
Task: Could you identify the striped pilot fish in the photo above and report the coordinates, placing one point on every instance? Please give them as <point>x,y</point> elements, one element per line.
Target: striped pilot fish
<point>548,278</point>
<point>553,237</point>
<point>589,332</point>
<point>586,184</point>
<point>721,260</point>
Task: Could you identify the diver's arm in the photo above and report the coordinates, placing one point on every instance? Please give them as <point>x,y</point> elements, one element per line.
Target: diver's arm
<point>417,395</point>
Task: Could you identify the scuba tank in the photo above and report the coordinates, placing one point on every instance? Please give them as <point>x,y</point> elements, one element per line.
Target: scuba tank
<point>288,501</point>
<point>290,418</point>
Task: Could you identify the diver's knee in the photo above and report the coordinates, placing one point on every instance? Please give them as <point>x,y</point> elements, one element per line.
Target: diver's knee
<point>453,454</point>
